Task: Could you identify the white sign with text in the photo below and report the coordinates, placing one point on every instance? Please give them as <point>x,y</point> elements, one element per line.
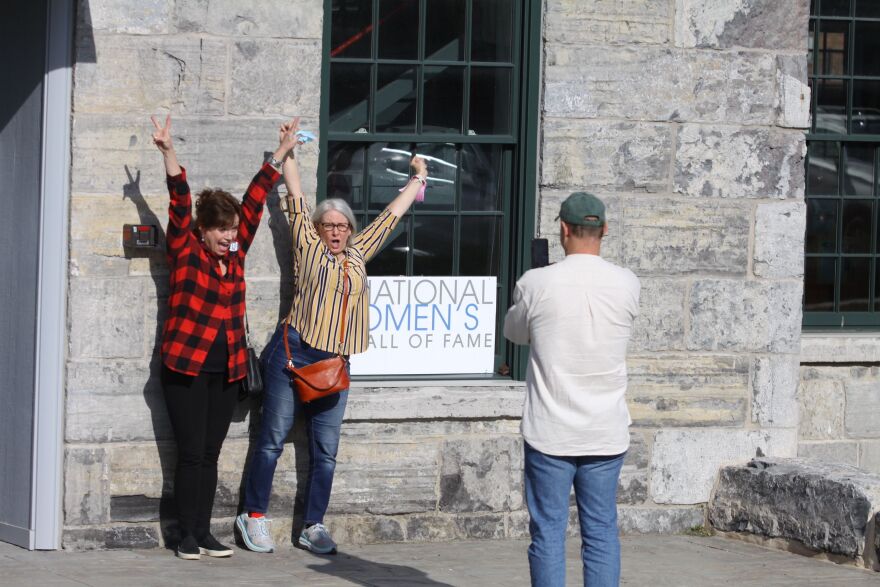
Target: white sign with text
<point>429,325</point>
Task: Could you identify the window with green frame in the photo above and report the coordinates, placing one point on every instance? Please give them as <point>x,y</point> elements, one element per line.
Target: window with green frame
<point>842,249</point>
<point>454,81</point>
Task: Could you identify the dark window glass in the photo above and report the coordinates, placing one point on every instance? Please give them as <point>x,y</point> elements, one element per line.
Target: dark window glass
<point>858,176</point>
<point>819,275</point>
<point>856,226</point>
<point>444,99</point>
<point>492,30</point>
<point>396,99</point>
<point>811,40</point>
<point>432,245</point>
<point>830,106</point>
<point>868,8</point>
<point>877,286</point>
<point>821,226</point>
<point>345,173</point>
<point>398,29</point>
<point>490,101</point>
<point>854,281</point>
<point>866,107</point>
<point>867,48</point>
<point>480,173</point>
<point>824,157</point>
<point>480,245</point>
<point>349,96</point>
<point>812,7</point>
<point>834,7</point>
<point>444,37</point>
<point>389,171</point>
<point>391,260</point>
<point>833,48</point>
<point>351,28</point>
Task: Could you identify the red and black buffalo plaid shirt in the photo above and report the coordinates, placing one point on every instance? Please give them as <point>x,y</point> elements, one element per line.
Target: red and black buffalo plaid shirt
<point>201,299</point>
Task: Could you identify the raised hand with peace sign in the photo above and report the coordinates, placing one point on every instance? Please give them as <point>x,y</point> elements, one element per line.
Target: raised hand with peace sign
<point>162,140</point>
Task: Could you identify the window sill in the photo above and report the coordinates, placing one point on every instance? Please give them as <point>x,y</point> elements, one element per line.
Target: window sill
<point>435,400</point>
<point>840,347</point>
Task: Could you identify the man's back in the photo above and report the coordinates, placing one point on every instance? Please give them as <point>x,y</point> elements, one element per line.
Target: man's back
<point>577,316</point>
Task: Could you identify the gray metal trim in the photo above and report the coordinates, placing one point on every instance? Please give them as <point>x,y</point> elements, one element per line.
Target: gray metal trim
<point>15,535</point>
<point>48,480</point>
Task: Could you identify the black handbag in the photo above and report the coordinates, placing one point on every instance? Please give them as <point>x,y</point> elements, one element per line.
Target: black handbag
<point>252,384</point>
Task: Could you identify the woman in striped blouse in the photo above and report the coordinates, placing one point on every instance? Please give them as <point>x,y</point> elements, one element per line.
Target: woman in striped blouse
<point>323,243</point>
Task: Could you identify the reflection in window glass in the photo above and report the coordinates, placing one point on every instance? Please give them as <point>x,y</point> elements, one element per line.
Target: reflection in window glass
<point>856,226</point>
<point>858,176</point>
<point>832,47</point>
<point>444,37</point>
<point>821,226</point>
<point>867,48</point>
<point>490,101</point>
<point>442,161</point>
<point>819,276</point>
<point>396,99</point>
<point>432,245</point>
<point>391,260</point>
<point>834,7</point>
<point>349,96</point>
<point>866,107</point>
<point>444,99</point>
<point>855,274</point>
<point>398,29</point>
<point>492,28</point>
<point>345,173</point>
<point>824,157</point>
<point>830,114</point>
<point>388,166</point>
<point>480,245</point>
<point>480,173</point>
<point>350,29</point>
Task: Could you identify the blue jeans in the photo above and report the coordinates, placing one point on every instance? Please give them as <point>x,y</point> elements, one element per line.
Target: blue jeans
<point>323,420</point>
<point>548,481</point>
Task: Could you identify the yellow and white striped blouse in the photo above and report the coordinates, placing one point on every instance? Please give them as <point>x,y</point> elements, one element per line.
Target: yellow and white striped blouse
<point>318,282</point>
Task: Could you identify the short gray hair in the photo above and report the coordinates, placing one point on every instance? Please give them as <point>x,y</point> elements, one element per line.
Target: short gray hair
<point>338,205</point>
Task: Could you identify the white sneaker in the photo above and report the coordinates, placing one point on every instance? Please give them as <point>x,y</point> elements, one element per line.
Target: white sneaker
<point>255,533</point>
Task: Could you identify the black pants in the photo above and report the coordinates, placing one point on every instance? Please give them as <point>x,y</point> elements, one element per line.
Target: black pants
<point>200,409</point>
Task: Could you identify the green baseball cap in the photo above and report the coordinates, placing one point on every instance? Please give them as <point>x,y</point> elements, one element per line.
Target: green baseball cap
<point>583,209</point>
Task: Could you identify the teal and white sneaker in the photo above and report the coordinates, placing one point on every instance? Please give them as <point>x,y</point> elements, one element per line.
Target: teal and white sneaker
<point>317,539</point>
<point>255,533</point>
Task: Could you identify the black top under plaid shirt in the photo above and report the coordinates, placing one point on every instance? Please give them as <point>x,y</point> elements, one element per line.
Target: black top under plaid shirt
<point>202,299</point>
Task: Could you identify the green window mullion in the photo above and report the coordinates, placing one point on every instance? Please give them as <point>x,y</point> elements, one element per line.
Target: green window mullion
<point>851,52</point>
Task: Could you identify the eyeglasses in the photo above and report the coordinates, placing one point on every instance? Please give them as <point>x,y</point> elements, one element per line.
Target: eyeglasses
<point>341,227</point>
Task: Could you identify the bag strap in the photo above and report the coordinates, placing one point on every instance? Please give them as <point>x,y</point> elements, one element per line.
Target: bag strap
<point>247,331</point>
<point>345,290</point>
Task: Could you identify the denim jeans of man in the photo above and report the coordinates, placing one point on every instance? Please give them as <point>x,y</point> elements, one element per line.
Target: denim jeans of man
<point>323,421</point>
<point>548,483</point>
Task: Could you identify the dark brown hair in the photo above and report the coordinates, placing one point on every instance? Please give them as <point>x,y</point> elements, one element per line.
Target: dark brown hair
<point>216,209</point>
<point>581,231</point>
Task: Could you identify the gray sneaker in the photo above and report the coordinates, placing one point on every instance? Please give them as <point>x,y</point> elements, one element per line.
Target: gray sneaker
<point>255,533</point>
<point>317,539</point>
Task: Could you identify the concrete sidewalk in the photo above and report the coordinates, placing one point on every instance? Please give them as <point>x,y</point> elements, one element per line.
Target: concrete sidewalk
<point>647,560</point>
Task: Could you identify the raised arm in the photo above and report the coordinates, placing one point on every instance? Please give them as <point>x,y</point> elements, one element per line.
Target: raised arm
<point>302,229</point>
<point>180,204</point>
<point>260,186</point>
<point>404,200</point>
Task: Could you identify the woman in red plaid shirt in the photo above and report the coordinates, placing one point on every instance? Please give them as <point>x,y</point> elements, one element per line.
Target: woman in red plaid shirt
<point>204,351</point>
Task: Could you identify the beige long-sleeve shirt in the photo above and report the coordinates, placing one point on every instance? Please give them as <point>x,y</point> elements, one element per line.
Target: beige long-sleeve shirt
<point>577,316</point>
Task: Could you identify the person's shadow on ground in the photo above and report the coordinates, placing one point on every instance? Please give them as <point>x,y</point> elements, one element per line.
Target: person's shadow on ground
<point>370,573</point>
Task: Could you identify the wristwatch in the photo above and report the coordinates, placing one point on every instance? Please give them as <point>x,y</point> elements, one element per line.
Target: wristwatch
<point>275,163</point>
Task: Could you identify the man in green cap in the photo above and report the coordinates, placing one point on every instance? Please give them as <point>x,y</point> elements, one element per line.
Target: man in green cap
<point>577,316</point>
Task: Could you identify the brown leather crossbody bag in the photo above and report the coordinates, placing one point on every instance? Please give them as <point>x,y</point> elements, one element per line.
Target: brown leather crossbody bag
<point>328,376</point>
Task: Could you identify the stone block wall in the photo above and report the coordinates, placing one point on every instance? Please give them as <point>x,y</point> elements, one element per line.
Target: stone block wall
<point>839,399</point>
<point>686,116</point>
